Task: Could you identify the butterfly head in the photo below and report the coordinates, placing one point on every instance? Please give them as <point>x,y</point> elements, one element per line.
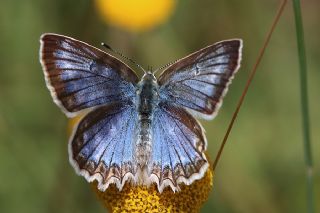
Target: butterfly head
<point>149,77</point>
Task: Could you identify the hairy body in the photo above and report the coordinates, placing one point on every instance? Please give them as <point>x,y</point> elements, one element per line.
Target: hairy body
<point>147,100</point>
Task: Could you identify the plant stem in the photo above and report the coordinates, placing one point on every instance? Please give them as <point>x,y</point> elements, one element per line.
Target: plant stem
<point>251,76</point>
<point>304,104</point>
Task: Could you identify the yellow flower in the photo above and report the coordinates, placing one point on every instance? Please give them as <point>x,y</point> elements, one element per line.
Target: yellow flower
<point>133,198</point>
<point>135,15</point>
<point>136,198</point>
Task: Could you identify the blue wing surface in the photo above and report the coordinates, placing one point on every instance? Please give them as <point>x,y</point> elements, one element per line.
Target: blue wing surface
<point>80,76</point>
<point>102,145</point>
<point>178,145</point>
<point>199,81</point>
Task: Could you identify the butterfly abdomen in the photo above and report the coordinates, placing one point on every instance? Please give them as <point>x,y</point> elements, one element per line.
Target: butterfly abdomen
<point>147,99</point>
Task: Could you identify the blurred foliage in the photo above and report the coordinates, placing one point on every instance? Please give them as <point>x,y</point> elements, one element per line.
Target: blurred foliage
<point>262,167</point>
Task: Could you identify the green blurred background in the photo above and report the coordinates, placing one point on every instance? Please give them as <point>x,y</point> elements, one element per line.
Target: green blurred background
<point>262,167</point>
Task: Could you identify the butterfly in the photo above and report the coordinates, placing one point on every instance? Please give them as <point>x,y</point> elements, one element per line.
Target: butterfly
<point>144,131</point>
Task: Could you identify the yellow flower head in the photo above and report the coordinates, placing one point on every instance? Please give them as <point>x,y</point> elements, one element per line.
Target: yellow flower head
<point>135,15</point>
<point>135,198</point>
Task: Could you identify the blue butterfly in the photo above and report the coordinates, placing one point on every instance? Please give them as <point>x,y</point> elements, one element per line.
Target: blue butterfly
<point>140,131</point>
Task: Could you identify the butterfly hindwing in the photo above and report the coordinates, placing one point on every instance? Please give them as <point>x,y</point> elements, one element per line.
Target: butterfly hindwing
<point>80,76</point>
<point>178,146</point>
<point>199,81</point>
<point>102,145</point>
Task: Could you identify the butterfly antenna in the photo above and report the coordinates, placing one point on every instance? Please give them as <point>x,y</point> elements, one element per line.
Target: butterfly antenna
<point>123,56</point>
<point>165,66</point>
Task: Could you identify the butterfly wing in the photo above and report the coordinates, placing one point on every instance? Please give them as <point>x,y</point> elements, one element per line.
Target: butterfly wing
<point>195,84</point>
<point>199,81</point>
<point>80,76</point>
<point>178,144</point>
<point>101,147</point>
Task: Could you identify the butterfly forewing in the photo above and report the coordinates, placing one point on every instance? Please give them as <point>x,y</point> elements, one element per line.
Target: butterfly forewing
<point>80,76</point>
<point>199,81</point>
